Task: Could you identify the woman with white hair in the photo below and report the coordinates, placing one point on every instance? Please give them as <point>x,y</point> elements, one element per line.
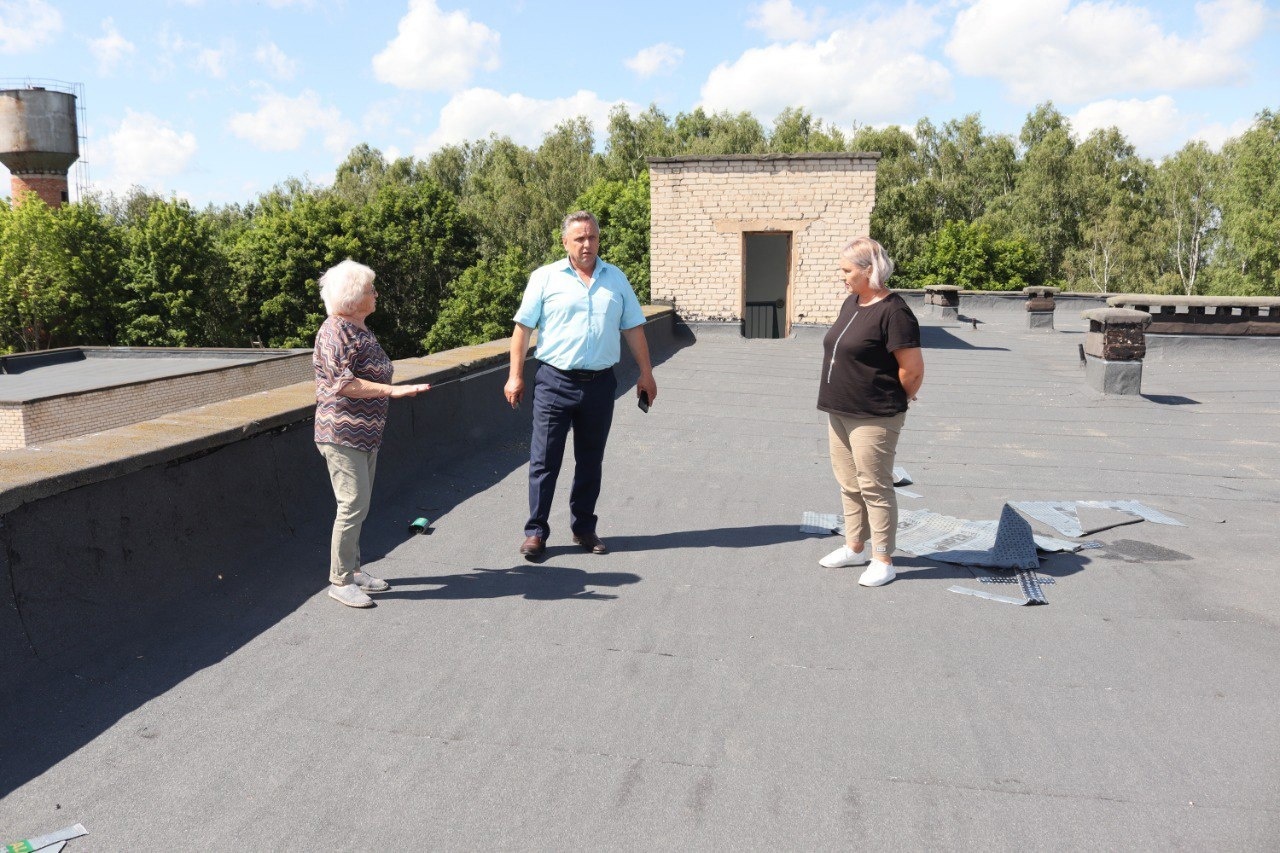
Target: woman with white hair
<point>353,385</point>
<point>872,367</point>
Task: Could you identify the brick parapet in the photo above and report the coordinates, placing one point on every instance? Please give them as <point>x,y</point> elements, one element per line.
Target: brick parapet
<point>57,417</point>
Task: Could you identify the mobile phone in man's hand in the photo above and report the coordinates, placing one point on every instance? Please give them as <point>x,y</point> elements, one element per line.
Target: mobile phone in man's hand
<point>644,401</point>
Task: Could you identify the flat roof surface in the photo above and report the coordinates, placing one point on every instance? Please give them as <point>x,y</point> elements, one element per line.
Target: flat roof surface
<point>119,367</point>
<point>707,685</point>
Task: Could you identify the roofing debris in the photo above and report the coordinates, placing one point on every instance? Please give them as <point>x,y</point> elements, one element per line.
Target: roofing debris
<point>826,524</point>
<point>1007,543</point>
<point>50,843</point>
<point>1080,518</point>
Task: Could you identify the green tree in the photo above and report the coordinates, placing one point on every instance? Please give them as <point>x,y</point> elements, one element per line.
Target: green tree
<point>565,165</point>
<point>622,209</point>
<point>1044,202</point>
<point>359,176</point>
<point>59,274</point>
<point>501,193</point>
<point>417,240</point>
<point>795,131</point>
<point>1184,191</point>
<point>481,302</point>
<point>631,140</point>
<point>698,133</point>
<point>965,168</point>
<point>170,279</point>
<point>969,256</point>
<point>296,232</point>
<point>1115,249</point>
<point>1249,261</point>
<point>450,167</point>
<point>903,217</point>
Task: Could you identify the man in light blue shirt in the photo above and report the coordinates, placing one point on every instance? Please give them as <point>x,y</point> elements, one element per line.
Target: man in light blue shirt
<point>578,305</point>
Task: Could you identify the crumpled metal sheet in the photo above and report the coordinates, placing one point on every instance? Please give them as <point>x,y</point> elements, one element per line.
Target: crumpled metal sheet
<point>1062,517</point>
<point>1007,543</point>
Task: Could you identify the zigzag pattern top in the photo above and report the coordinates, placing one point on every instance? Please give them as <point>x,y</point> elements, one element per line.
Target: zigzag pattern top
<point>343,352</point>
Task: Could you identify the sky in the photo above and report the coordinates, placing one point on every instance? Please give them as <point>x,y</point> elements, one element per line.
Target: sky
<point>216,101</point>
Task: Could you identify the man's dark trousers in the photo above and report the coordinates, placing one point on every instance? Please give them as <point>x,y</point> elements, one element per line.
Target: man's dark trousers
<point>561,402</point>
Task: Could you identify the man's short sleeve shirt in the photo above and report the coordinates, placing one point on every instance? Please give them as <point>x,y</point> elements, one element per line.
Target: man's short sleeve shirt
<point>578,324</point>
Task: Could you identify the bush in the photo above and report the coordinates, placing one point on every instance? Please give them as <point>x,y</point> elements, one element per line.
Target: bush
<point>969,256</point>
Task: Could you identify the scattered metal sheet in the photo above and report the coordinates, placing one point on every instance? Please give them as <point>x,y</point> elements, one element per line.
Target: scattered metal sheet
<point>990,576</point>
<point>819,524</point>
<point>1007,543</point>
<point>990,596</point>
<point>1063,516</point>
<point>824,524</point>
<point>1094,520</point>
<point>50,843</point>
<point>1030,583</point>
<point>1052,544</point>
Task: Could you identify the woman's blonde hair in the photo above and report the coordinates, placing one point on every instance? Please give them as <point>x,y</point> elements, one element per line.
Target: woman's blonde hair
<point>868,254</point>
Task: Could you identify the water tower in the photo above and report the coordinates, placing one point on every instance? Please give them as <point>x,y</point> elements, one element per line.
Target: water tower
<point>38,141</point>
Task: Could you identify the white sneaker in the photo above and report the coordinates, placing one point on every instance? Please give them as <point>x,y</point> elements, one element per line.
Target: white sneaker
<point>844,556</point>
<point>369,583</point>
<point>350,595</point>
<point>877,574</point>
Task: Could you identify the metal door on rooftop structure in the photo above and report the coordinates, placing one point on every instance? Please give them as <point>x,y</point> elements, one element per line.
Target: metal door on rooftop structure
<point>766,265</point>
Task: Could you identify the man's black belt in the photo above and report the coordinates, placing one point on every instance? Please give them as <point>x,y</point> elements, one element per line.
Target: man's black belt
<point>580,375</point>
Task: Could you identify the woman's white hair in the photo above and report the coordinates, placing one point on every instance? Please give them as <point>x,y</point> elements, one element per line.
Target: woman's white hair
<point>868,254</point>
<point>342,286</point>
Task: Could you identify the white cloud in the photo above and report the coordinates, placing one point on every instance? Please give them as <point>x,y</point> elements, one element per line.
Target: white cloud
<point>436,51</point>
<point>26,25</point>
<point>381,115</point>
<point>1215,134</point>
<point>1052,49</point>
<point>781,21</point>
<point>207,60</point>
<point>476,113</point>
<point>1152,126</point>
<point>111,48</point>
<point>212,62</point>
<point>143,150</point>
<point>275,61</point>
<point>652,60</point>
<point>282,123</point>
<point>876,71</point>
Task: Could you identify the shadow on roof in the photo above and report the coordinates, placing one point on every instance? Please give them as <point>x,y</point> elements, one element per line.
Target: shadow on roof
<point>122,589</point>
<point>936,337</point>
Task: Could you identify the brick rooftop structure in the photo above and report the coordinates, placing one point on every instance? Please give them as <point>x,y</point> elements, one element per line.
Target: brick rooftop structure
<point>705,211</point>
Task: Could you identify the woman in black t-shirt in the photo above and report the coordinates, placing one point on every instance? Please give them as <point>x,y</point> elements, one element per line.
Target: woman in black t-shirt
<point>872,367</point>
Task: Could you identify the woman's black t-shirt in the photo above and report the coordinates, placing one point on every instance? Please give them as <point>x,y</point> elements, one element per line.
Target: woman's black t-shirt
<point>859,372</point>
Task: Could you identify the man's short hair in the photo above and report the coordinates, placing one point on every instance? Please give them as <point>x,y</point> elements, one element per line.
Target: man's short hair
<point>578,216</point>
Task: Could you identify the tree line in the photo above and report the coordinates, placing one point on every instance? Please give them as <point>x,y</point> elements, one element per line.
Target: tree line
<point>454,237</point>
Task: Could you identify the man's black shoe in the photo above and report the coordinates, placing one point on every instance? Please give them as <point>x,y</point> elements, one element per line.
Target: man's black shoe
<point>591,542</point>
